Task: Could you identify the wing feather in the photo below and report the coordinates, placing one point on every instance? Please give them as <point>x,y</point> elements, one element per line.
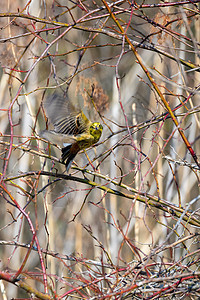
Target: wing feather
<point>64,117</point>
<point>57,138</point>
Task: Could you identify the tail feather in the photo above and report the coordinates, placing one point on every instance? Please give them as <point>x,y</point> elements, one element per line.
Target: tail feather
<point>66,152</point>
<point>68,156</point>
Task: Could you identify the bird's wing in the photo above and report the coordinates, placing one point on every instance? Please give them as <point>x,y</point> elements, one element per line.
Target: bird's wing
<point>57,138</point>
<point>64,117</point>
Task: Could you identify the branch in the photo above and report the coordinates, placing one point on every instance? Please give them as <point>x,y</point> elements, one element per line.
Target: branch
<point>145,198</point>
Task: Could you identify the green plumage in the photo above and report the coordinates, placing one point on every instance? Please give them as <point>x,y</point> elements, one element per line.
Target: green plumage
<point>72,130</point>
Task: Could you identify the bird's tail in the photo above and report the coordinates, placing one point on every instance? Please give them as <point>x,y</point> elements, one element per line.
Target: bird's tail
<point>68,156</point>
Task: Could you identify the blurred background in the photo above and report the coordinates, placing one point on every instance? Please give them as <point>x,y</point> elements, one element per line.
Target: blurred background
<point>134,216</point>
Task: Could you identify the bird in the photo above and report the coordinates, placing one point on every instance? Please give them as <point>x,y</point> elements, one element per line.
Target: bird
<point>73,131</point>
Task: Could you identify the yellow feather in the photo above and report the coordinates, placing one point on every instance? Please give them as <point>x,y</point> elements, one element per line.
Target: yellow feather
<point>72,130</point>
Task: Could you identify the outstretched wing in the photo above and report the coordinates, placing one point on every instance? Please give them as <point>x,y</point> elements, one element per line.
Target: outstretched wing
<point>64,117</point>
<point>57,138</point>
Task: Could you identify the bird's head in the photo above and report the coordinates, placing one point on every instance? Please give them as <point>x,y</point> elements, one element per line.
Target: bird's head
<point>96,130</point>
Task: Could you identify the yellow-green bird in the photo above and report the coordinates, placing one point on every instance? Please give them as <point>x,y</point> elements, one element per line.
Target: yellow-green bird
<point>72,130</point>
